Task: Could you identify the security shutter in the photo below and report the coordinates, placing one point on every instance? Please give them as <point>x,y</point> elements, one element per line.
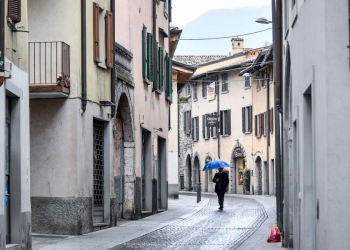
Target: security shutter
<point>96,31</point>
<point>109,39</point>
<point>14,10</point>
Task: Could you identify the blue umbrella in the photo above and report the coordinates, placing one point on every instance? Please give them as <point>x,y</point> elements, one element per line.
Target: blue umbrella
<point>215,165</point>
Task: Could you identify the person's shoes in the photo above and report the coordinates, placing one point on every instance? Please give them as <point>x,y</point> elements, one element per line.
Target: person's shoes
<point>220,208</point>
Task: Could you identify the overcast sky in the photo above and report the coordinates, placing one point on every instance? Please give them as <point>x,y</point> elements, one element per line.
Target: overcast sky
<point>184,11</point>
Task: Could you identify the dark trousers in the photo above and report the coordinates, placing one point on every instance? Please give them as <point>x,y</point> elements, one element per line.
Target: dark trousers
<point>221,195</point>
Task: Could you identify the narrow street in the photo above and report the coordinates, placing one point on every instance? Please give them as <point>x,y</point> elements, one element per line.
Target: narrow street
<point>209,228</point>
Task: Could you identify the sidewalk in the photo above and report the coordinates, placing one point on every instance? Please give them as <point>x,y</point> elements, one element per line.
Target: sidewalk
<point>178,209</point>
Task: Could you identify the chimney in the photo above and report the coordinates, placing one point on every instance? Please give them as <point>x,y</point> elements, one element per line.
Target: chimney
<point>237,45</point>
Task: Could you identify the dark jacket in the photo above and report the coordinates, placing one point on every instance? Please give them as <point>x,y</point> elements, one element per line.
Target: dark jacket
<point>221,186</point>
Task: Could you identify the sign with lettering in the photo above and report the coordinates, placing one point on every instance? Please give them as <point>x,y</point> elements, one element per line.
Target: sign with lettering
<point>211,120</point>
<point>238,153</point>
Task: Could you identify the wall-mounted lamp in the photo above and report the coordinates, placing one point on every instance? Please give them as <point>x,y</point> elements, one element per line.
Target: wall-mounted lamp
<point>247,75</point>
<point>262,20</point>
<point>157,130</point>
<point>107,104</point>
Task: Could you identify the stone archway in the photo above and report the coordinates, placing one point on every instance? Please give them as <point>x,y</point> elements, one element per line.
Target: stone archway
<point>196,172</point>
<point>258,174</point>
<point>207,174</point>
<point>238,158</point>
<point>188,172</point>
<point>124,156</point>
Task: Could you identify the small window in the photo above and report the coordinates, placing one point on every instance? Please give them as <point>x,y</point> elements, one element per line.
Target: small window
<point>247,119</point>
<point>206,130</point>
<point>214,130</point>
<point>187,122</point>
<point>224,83</point>
<point>204,89</point>
<point>195,128</point>
<point>194,86</point>
<point>188,89</point>
<point>247,82</point>
<point>225,122</point>
<point>14,10</point>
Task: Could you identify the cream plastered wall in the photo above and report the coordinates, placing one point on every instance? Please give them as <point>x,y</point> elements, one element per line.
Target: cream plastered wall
<point>235,99</point>
<point>16,43</point>
<point>152,105</point>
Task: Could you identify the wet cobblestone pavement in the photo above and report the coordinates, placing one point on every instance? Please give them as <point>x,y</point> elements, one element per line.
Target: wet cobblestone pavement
<point>209,228</point>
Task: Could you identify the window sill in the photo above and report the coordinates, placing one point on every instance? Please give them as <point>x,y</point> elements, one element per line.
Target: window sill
<point>258,137</point>
<point>195,100</point>
<point>145,80</point>
<point>245,87</point>
<point>263,87</point>
<point>225,92</point>
<point>206,139</point>
<point>214,137</point>
<point>258,89</point>
<point>225,135</point>
<point>159,91</point>
<point>166,15</point>
<point>247,133</point>
<point>158,2</point>
<point>102,66</point>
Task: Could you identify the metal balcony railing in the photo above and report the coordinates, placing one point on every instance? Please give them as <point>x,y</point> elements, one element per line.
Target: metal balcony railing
<point>49,64</point>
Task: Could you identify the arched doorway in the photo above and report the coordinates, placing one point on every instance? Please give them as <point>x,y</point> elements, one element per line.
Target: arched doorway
<point>124,145</point>
<point>189,186</point>
<point>208,174</point>
<point>258,167</point>
<point>196,172</point>
<point>238,165</point>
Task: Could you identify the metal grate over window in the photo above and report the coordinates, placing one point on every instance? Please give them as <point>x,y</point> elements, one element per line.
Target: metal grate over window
<point>98,163</point>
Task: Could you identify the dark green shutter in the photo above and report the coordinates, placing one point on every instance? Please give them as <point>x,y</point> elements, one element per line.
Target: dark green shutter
<point>150,57</point>
<point>158,75</point>
<point>166,73</point>
<point>144,52</point>
<point>161,69</point>
<point>197,128</point>
<point>203,126</point>
<point>170,81</point>
<point>228,122</point>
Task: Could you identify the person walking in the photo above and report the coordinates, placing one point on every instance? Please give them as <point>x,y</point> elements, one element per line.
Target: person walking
<point>221,180</point>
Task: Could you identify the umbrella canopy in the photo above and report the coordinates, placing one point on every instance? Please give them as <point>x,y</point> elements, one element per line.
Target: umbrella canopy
<point>215,165</point>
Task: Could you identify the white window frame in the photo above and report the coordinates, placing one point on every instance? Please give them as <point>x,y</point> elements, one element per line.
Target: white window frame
<point>246,120</point>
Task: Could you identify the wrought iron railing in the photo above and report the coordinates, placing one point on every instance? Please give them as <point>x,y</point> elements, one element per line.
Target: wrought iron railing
<point>49,63</point>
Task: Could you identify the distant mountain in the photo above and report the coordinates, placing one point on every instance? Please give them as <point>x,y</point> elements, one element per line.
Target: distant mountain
<point>223,23</point>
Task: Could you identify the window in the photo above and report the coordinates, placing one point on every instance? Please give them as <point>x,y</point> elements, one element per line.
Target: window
<point>103,36</point>
<point>14,10</point>
<point>214,130</point>
<point>271,120</point>
<point>195,128</point>
<point>187,122</point>
<point>188,89</point>
<point>204,89</point>
<point>247,119</point>
<point>194,86</point>
<point>168,77</point>
<point>206,130</point>
<point>147,55</point>
<point>224,83</point>
<point>166,7</point>
<point>225,122</point>
<point>259,125</point>
<point>247,82</point>
<point>160,69</point>
<point>265,123</point>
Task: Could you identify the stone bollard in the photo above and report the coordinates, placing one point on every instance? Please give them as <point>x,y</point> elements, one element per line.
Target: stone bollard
<point>199,192</point>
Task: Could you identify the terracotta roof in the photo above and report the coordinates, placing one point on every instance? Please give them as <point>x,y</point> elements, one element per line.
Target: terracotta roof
<point>197,60</point>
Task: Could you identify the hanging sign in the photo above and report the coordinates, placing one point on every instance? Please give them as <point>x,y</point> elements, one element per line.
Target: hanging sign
<point>211,120</point>
<point>238,153</point>
<point>211,91</point>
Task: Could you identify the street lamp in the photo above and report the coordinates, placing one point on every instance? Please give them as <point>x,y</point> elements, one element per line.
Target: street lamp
<point>263,20</point>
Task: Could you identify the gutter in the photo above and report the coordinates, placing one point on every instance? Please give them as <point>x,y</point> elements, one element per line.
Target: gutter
<point>113,70</point>
<point>83,55</point>
<point>2,38</point>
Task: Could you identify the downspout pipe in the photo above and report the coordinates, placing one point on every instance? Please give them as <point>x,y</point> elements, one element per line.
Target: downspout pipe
<point>2,35</point>
<point>113,70</point>
<point>277,70</point>
<point>154,13</point>
<point>83,55</point>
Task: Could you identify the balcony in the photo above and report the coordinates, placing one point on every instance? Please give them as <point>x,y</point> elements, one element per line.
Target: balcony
<point>49,70</point>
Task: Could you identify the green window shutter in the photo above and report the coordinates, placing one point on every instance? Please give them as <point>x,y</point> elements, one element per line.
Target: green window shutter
<point>150,52</point>
<point>161,69</point>
<point>144,52</point>
<point>166,73</point>
<point>158,67</point>
<point>163,1</point>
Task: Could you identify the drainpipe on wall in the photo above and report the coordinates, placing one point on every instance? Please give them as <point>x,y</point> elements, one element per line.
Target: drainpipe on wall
<point>83,55</point>
<point>154,12</point>
<point>2,37</point>
<point>113,70</point>
<point>277,68</point>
